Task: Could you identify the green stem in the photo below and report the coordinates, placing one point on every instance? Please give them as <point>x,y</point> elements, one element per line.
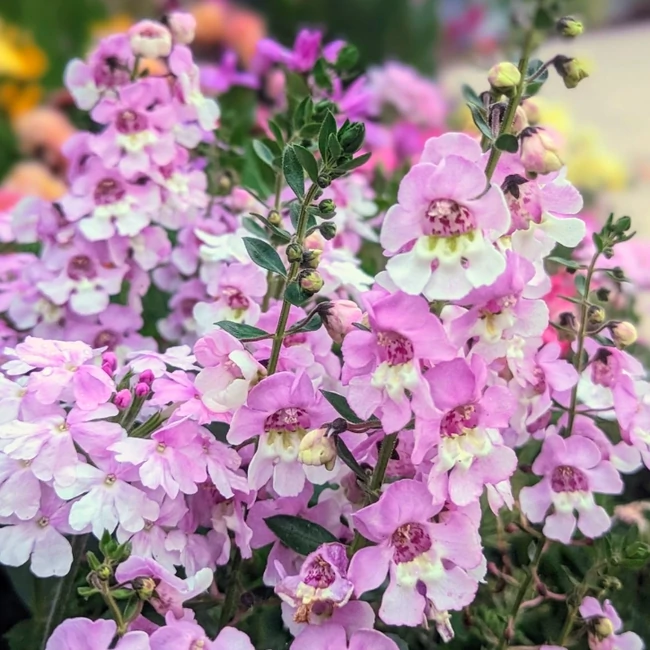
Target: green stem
<point>230,602</point>
<point>114,608</point>
<point>514,102</point>
<point>63,592</point>
<point>584,309</point>
<point>568,625</point>
<point>521,594</point>
<point>280,331</point>
<point>376,481</point>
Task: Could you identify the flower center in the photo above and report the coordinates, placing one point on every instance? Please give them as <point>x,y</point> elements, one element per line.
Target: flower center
<point>457,421</point>
<point>187,307</point>
<point>299,338</point>
<point>129,122</point>
<point>540,381</point>
<point>81,267</point>
<point>236,299</point>
<point>108,191</point>
<point>160,447</point>
<point>106,338</point>
<point>288,420</point>
<point>394,348</point>
<point>446,218</point>
<point>319,574</point>
<point>43,522</point>
<point>525,207</point>
<point>569,479</point>
<point>110,479</point>
<point>410,541</point>
<point>604,368</point>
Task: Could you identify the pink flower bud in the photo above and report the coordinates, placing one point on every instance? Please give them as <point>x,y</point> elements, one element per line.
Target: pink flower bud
<point>146,377</point>
<point>109,359</point>
<point>338,318</point>
<point>623,333</point>
<point>182,26</point>
<point>150,40</point>
<point>122,398</point>
<point>539,151</point>
<point>317,449</point>
<point>141,389</point>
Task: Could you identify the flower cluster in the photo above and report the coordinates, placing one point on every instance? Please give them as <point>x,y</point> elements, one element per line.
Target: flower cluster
<point>285,410</point>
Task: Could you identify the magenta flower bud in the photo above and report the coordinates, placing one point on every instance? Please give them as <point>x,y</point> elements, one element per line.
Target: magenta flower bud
<point>339,317</point>
<point>122,398</point>
<point>150,40</point>
<point>539,151</point>
<point>141,389</point>
<point>109,363</point>
<point>146,377</point>
<point>182,26</point>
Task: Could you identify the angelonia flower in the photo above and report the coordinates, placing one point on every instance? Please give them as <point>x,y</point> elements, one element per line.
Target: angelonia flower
<point>302,389</point>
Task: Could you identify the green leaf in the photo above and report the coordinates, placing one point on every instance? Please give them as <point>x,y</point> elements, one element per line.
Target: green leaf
<point>298,534</point>
<point>263,152</point>
<point>348,458</point>
<point>256,229</point>
<point>295,295</point>
<point>296,85</point>
<point>570,264</point>
<point>293,173</point>
<point>341,406</point>
<point>327,128</point>
<point>253,227</point>
<point>264,255</point>
<point>307,161</point>
<point>479,119</point>
<point>276,131</point>
<point>303,112</point>
<point>471,97</point>
<point>534,87</point>
<point>321,76</point>
<point>334,146</point>
<point>507,142</point>
<point>242,331</point>
<point>347,58</point>
<point>598,242</point>
<point>543,19</point>
<point>310,130</point>
<point>314,323</point>
<point>359,161</point>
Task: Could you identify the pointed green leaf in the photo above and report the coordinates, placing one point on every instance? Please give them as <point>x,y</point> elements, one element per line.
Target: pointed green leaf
<point>348,458</point>
<point>359,161</point>
<point>479,119</point>
<point>295,295</point>
<point>507,142</point>
<point>263,152</point>
<point>327,128</point>
<point>299,534</point>
<point>307,161</point>
<point>264,255</point>
<point>293,172</point>
<point>242,331</point>
<point>341,406</point>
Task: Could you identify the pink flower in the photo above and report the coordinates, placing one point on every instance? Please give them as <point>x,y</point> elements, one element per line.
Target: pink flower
<point>171,459</point>
<point>20,489</point>
<point>380,366</point>
<point>440,234</point>
<point>463,431</point>
<point>603,623</point>
<point>182,26</point>
<point>94,635</point>
<point>187,635</point>
<point>573,470</point>
<point>339,318</point>
<point>150,40</point>
<point>333,637</point>
<point>64,371</point>
<point>281,409</point>
<point>168,592</point>
<point>428,562</point>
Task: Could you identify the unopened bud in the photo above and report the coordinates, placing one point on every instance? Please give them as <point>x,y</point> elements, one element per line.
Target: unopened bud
<point>109,363</point>
<point>596,315</point>
<point>311,259</point>
<point>144,587</point>
<point>338,317</point>
<point>122,398</point>
<point>603,628</point>
<point>182,26</point>
<point>603,294</point>
<point>328,230</point>
<point>572,71</point>
<point>141,389</point>
<point>316,448</point>
<point>351,136</point>
<point>623,333</point>
<point>104,572</point>
<point>324,180</point>
<point>327,207</point>
<point>539,152</point>
<point>504,78</point>
<point>275,218</point>
<point>569,27</point>
<point>310,282</point>
<point>531,108</point>
<point>521,120</point>
<point>567,320</point>
<point>150,40</point>
<point>224,183</point>
<point>294,253</point>
<point>146,377</point>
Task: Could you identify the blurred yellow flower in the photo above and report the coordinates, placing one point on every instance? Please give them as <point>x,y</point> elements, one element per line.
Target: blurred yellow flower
<point>22,64</point>
<point>117,24</point>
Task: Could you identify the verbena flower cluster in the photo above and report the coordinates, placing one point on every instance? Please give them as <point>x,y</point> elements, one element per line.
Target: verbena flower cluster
<point>200,373</point>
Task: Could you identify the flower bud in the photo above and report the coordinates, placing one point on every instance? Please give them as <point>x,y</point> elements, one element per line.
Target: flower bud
<point>310,282</point>
<point>596,315</point>
<point>275,218</point>
<point>338,317</point>
<point>327,207</point>
<point>623,333</point>
<point>324,180</point>
<point>109,363</point>
<point>104,572</point>
<point>603,627</point>
<point>146,377</point>
<point>572,71</point>
<point>150,40</point>
<point>328,230</point>
<point>142,389</point>
<point>603,294</point>
<point>569,27</point>
<point>144,587</point>
<point>316,448</point>
<point>351,136</point>
<point>539,153</point>
<point>504,78</point>
<point>294,253</point>
<point>532,110</point>
<point>521,120</point>
<point>311,259</point>
<point>122,398</point>
<point>182,26</point>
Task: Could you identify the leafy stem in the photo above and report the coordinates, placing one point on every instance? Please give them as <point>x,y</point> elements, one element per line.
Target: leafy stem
<point>114,608</point>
